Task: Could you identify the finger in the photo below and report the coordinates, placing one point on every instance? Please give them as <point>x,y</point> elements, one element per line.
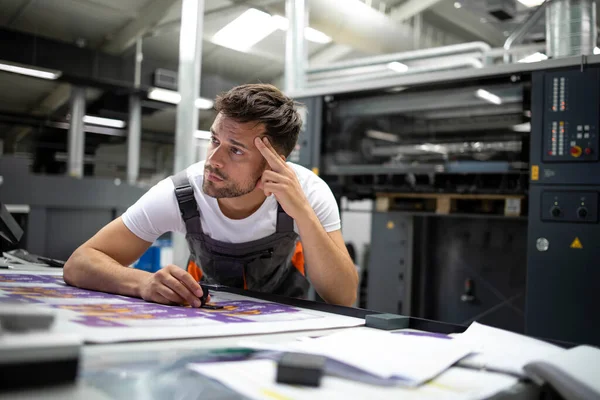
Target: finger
<point>188,280</point>
<point>162,300</point>
<point>170,295</point>
<point>273,159</point>
<point>272,176</point>
<point>274,188</point>
<point>176,286</point>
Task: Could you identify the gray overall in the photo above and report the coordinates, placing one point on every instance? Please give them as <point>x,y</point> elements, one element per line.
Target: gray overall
<point>262,265</point>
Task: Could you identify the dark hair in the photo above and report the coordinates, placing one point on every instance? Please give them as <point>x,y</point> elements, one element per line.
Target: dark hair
<point>266,104</point>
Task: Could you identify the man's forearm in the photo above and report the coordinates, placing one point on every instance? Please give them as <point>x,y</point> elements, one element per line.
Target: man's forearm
<point>91,269</point>
<point>330,269</point>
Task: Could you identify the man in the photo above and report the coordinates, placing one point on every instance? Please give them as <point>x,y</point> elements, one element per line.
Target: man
<point>242,211</point>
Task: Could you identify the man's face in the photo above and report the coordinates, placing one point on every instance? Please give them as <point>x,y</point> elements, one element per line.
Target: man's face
<point>233,164</point>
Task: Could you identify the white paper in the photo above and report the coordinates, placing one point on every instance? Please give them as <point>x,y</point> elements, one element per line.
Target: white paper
<point>256,379</point>
<point>581,363</point>
<point>502,350</point>
<point>415,359</point>
<point>103,318</point>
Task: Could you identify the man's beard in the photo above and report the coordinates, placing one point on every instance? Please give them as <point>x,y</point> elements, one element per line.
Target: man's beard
<point>231,189</point>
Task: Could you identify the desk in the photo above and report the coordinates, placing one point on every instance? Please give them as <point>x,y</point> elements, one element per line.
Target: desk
<point>116,370</point>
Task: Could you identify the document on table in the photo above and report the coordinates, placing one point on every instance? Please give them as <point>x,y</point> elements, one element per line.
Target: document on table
<point>256,380</point>
<point>410,359</point>
<point>502,350</point>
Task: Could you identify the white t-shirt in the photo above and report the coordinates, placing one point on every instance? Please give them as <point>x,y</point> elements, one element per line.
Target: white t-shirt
<point>157,212</point>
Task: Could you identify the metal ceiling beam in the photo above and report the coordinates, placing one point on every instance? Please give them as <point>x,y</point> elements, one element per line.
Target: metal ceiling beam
<point>468,22</point>
<point>411,8</point>
<point>148,17</point>
<point>330,53</point>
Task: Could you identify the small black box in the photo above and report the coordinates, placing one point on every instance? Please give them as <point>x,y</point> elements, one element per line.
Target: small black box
<point>300,369</point>
<point>387,322</point>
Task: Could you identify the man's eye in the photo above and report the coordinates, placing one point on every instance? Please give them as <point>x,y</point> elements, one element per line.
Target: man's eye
<point>236,151</point>
<point>214,140</point>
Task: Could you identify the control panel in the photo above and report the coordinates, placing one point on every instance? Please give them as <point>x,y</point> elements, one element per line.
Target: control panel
<point>570,206</point>
<point>570,127</point>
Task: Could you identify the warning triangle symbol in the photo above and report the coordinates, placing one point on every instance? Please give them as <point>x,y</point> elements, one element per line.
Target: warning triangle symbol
<point>576,244</point>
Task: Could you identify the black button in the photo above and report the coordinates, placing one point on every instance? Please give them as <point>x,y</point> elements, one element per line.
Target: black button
<point>582,212</point>
<point>555,211</point>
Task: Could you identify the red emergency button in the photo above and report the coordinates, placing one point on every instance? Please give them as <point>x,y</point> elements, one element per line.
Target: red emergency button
<point>588,151</point>
<point>576,151</point>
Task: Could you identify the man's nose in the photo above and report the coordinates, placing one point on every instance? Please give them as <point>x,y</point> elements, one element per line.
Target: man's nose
<point>215,157</point>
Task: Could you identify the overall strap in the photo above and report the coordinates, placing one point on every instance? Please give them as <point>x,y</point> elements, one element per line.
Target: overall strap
<point>187,202</point>
<point>285,223</point>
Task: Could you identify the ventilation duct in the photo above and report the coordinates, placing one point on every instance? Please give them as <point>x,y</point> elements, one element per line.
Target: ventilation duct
<point>570,28</point>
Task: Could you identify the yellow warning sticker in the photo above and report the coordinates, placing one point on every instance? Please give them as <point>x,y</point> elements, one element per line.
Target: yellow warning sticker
<point>315,170</point>
<point>576,244</point>
<point>535,173</point>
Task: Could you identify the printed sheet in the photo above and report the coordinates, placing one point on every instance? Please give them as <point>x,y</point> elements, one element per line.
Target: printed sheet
<point>103,318</point>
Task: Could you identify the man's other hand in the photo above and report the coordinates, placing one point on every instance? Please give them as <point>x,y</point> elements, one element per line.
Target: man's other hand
<point>173,286</point>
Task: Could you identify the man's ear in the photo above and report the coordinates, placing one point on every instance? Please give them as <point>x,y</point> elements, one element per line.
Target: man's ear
<point>282,157</point>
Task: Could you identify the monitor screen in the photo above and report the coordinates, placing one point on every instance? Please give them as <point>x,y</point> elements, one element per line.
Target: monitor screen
<point>9,228</point>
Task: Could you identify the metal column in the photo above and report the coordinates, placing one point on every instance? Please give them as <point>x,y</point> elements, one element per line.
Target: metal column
<point>76,142</point>
<point>190,56</point>
<point>295,50</point>
<point>134,137</point>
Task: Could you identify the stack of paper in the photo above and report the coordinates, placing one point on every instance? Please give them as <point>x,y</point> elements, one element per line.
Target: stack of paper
<point>256,380</point>
<point>501,350</point>
<point>409,359</point>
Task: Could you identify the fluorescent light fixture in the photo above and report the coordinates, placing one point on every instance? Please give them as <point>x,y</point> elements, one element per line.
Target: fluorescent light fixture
<point>24,70</point>
<point>388,137</point>
<point>204,104</point>
<point>164,95</point>
<point>488,96</point>
<point>316,36</point>
<point>457,4</point>
<point>280,22</point>
<point>310,34</point>
<point>397,66</point>
<point>531,3</point>
<point>173,97</point>
<point>202,135</point>
<point>596,50</point>
<point>524,127</point>
<point>246,30</point>
<point>112,123</point>
<point>535,57</point>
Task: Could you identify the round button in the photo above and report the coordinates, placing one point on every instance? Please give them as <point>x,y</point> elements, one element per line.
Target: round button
<point>576,151</point>
<point>555,211</point>
<point>588,151</point>
<point>542,244</point>
<point>582,212</point>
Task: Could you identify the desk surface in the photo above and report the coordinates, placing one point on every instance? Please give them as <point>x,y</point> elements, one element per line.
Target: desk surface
<point>156,355</point>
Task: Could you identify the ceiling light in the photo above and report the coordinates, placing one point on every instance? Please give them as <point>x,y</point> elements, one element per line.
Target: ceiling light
<point>173,97</point>
<point>397,66</point>
<point>535,57</point>
<point>310,34</point>
<point>112,123</point>
<point>524,127</point>
<point>246,30</point>
<point>316,36</point>
<point>531,3</point>
<point>488,96</point>
<point>35,72</point>
<point>204,104</point>
<point>457,4</point>
<point>206,135</point>
<point>388,137</point>
<point>596,50</point>
<point>280,22</point>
